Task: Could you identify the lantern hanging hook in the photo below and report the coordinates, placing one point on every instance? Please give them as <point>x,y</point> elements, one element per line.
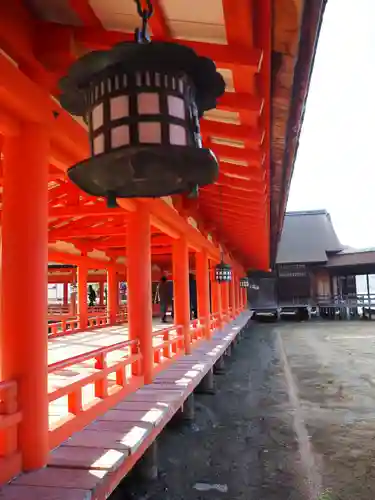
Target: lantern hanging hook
<point>141,34</point>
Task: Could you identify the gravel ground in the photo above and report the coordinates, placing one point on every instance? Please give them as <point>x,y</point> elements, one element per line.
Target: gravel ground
<point>293,419</point>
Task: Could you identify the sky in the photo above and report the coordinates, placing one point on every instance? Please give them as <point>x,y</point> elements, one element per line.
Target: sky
<point>335,165</point>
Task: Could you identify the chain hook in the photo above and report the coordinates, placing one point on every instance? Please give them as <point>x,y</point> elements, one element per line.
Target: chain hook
<point>141,34</point>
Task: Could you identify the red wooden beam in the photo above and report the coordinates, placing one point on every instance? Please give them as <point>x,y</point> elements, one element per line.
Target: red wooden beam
<point>85,12</point>
<point>158,23</point>
<point>246,173</point>
<point>98,210</point>
<point>236,101</point>
<point>210,128</point>
<point>96,232</point>
<point>234,153</point>
<point>225,56</point>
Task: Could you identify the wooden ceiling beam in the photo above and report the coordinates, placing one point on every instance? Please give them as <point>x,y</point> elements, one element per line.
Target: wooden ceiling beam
<point>97,210</point>
<point>236,101</point>
<point>85,12</point>
<point>229,131</point>
<point>225,56</point>
<point>237,154</point>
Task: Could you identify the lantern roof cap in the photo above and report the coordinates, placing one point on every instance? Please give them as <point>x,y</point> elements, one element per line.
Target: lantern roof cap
<point>130,57</point>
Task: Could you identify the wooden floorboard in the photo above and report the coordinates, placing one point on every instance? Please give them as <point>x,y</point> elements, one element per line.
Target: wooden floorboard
<point>90,464</point>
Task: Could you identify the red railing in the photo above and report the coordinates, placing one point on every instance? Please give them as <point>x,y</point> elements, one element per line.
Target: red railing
<point>168,342</point>
<point>111,380</point>
<point>87,385</point>
<point>10,417</point>
<point>95,320</point>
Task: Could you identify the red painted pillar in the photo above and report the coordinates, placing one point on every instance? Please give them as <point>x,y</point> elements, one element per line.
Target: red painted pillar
<point>25,260</point>
<point>65,294</point>
<point>139,285</point>
<point>101,293</point>
<point>232,298</point>
<point>82,272</point>
<point>225,300</point>
<point>113,299</point>
<point>216,298</point>
<point>245,305</point>
<point>203,290</point>
<point>181,288</point>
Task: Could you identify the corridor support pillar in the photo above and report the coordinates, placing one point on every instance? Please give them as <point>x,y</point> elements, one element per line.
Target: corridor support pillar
<point>203,290</point>
<point>25,260</point>
<point>216,299</point>
<point>139,285</point>
<point>65,293</point>
<point>113,295</point>
<point>232,292</point>
<point>82,272</point>
<point>181,288</point>
<point>225,300</point>
<point>101,293</point>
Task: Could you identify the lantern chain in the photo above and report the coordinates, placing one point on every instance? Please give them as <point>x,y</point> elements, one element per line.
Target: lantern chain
<point>141,34</point>
<point>221,217</point>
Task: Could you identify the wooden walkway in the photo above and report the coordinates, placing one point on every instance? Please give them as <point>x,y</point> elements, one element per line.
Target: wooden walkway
<point>90,464</point>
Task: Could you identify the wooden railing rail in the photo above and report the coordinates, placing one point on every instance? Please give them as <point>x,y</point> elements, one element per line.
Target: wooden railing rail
<point>10,418</point>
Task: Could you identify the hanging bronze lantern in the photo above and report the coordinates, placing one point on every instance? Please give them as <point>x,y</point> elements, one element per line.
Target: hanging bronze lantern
<point>223,273</point>
<point>142,103</point>
<point>244,282</point>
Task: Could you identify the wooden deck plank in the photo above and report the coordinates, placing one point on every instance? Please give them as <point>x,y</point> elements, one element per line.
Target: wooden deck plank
<point>78,457</point>
<point>13,492</point>
<point>153,416</point>
<point>95,439</point>
<point>124,427</point>
<point>63,478</point>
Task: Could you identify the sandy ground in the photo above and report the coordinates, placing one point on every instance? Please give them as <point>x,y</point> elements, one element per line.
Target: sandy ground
<point>293,419</point>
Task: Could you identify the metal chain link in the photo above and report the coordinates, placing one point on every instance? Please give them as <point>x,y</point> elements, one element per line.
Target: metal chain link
<point>141,34</point>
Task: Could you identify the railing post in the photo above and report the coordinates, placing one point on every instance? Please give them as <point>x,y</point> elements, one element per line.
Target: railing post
<point>25,260</point>
<point>181,288</point>
<point>203,290</point>
<point>139,285</point>
<point>112,290</point>
<point>82,295</point>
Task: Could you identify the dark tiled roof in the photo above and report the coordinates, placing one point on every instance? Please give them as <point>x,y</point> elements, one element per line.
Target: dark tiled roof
<point>352,258</point>
<point>307,237</point>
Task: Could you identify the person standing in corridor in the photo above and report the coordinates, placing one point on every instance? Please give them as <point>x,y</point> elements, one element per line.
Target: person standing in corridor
<point>162,296</point>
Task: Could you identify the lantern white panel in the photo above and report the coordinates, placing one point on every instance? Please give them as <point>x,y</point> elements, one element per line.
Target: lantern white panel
<point>120,136</point>
<point>148,103</point>
<point>119,107</point>
<point>149,132</point>
<point>97,116</point>
<point>177,135</point>
<point>176,106</point>
<point>99,144</point>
